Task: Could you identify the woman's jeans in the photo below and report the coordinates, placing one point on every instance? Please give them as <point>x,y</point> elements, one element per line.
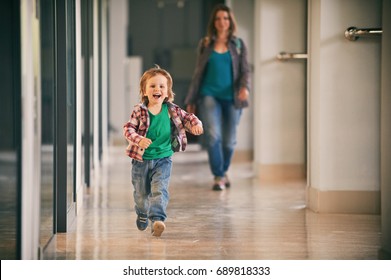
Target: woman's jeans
<point>220,119</point>
<point>150,179</point>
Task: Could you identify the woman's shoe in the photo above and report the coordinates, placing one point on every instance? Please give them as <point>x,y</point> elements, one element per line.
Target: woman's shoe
<point>227,183</point>
<point>219,184</point>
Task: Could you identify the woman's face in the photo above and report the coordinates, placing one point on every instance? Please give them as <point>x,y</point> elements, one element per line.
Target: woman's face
<point>222,23</point>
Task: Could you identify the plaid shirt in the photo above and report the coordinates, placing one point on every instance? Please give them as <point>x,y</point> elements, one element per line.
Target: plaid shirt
<point>137,127</point>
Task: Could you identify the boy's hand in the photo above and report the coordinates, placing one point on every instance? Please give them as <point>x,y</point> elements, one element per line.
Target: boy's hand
<point>144,143</point>
<point>197,130</point>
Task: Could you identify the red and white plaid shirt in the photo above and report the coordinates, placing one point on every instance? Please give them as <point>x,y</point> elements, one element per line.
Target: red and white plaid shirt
<point>137,127</point>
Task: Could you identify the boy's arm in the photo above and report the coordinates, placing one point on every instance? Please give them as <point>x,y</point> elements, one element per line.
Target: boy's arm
<point>130,129</point>
<point>191,123</point>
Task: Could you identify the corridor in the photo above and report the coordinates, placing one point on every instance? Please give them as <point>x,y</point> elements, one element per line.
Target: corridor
<point>252,220</point>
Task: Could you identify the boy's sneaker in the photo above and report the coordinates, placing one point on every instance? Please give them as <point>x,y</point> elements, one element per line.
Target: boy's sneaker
<point>219,184</point>
<point>142,223</point>
<point>157,228</point>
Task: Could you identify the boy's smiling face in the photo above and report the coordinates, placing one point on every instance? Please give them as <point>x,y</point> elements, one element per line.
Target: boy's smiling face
<point>156,90</point>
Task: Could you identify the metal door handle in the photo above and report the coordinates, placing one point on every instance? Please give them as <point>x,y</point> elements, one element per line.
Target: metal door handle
<point>288,56</point>
<point>353,33</point>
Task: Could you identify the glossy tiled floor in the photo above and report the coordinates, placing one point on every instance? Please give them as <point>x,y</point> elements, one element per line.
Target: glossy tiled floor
<point>251,220</point>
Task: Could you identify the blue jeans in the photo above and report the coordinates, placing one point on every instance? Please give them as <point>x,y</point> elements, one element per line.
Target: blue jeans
<point>220,119</point>
<point>150,180</point>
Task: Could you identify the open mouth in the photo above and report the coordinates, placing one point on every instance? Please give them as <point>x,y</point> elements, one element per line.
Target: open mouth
<point>156,95</point>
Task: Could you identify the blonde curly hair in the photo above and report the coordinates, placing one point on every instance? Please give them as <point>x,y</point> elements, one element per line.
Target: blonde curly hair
<point>152,72</point>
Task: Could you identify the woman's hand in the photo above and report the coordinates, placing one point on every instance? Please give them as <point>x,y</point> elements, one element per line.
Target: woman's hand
<point>243,94</point>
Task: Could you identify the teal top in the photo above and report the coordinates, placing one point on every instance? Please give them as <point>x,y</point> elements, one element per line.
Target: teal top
<point>218,80</point>
<point>159,132</point>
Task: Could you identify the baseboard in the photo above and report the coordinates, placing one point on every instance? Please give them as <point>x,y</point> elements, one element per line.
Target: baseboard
<point>243,156</point>
<point>351,202</point>
<point>280,172</point>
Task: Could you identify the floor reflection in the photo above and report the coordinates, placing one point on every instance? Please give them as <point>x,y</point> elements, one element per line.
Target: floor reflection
<point>251,220</point>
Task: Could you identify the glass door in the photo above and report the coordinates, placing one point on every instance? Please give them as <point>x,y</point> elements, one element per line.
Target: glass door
<point>58,73</point>
<point>71,105</point>
<point>65,128</point>
<point>47,20</point>
<point>10,131</point>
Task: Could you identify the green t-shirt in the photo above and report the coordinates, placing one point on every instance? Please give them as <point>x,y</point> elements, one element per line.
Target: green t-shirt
<point>159,132</point>
<point>218,80</point>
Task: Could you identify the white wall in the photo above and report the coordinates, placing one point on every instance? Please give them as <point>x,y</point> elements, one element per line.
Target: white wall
<point>118,110</point>
<point>105,82</point>
<point>31,127</point>
<point>95,89</point>
<point>344,92</point>
<point>344,108</point>
<point>79,108</point>
<point>133,72</point>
